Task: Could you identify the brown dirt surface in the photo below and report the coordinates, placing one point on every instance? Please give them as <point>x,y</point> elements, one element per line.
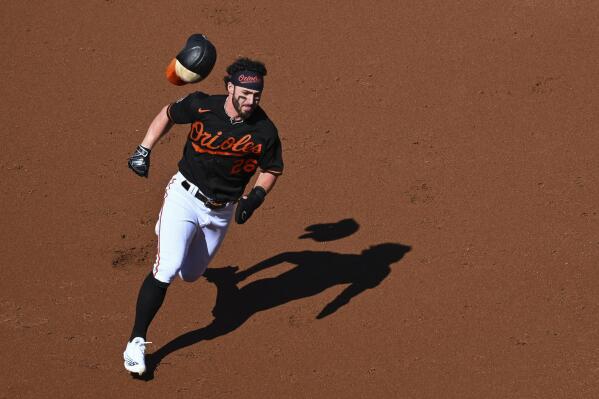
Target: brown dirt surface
<point>466,131</point>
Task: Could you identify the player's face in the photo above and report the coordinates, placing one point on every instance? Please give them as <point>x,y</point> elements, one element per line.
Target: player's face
<point>245,100</point>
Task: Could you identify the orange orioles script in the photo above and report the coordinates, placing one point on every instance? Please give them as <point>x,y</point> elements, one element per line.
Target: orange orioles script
<point>204,142</point>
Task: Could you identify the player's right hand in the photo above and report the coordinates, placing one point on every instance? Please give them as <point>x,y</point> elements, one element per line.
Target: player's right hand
<point>139,162</point>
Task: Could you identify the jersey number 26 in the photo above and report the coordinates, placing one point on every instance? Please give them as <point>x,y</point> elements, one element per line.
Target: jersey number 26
<point>247,165</point>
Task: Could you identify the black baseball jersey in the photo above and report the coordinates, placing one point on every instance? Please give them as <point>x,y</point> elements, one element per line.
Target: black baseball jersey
<point>220,156</point>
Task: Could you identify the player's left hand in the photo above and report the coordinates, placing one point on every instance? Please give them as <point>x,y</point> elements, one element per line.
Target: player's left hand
<point>248,204</point>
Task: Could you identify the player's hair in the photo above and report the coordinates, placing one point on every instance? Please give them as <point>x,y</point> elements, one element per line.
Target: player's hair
<point>244,64</point>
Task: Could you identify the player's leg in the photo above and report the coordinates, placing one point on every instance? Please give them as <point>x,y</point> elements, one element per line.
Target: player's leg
<point>207,241</point>
<point>150,298</point>
<point>176,229</point>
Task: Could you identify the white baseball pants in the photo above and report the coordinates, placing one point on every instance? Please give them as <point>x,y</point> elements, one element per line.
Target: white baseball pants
<point>189,233</point>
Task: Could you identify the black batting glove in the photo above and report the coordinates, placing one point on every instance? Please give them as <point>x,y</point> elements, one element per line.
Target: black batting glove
<point>247,205</point>
<point>139,162</point>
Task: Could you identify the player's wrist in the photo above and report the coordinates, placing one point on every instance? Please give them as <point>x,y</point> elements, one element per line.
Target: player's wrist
<point>259,191</point>
<point>256,196</point>
<point>144,149</point>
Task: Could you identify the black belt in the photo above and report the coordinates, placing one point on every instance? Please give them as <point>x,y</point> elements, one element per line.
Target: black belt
<point>205,200</point>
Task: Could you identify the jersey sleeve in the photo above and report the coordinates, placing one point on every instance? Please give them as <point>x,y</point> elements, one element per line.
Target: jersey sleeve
<point>271,159</point>
<point>185,109</point>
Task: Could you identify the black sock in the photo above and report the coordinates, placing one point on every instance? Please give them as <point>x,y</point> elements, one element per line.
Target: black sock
<point>150,298</point>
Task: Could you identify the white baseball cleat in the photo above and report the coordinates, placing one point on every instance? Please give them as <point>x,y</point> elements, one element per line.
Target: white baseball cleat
<point>134,355</point>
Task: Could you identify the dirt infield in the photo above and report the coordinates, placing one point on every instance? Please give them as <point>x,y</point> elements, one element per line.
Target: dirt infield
<point>434,234</point>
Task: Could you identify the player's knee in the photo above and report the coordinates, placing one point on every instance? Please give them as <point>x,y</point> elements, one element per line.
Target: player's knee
<point>167,266</point>
<point>189,277</point>
<point>164,274</point>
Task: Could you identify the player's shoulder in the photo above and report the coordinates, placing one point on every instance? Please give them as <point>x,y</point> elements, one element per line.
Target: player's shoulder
<point>261,120</point>
<point>200,94</point>
<point>193,97</point>
<point>200,100</point>
<point>189,108</point>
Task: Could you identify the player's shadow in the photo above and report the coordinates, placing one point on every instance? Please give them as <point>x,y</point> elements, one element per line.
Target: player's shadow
<point>315,271</point>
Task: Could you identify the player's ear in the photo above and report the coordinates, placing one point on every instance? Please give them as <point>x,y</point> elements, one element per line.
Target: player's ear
<point>230,88</point>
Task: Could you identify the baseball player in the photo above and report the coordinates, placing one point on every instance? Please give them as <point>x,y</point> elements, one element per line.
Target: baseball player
<point>230,138</point>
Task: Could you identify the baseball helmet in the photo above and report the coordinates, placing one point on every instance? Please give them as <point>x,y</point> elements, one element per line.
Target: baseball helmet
<point>194,62</point>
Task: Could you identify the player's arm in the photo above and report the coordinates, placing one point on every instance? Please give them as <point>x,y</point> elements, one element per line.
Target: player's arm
<point>271,165</point>
<point>249,203</point>
<point>181,112</point>
<point>139,162</point>
<point>266,180</point>
<point>160,126</point>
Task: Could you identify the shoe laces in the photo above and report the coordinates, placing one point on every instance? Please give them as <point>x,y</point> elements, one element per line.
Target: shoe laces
<point>141,343</point>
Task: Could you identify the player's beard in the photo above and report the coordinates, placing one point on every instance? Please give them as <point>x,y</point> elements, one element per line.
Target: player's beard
<point>243,114</point>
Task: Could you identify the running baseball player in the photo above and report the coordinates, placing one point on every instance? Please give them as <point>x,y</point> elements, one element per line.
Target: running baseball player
<point>230,138</point>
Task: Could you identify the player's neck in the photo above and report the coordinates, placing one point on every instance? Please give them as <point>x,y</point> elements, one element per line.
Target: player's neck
<point>231,111</point>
